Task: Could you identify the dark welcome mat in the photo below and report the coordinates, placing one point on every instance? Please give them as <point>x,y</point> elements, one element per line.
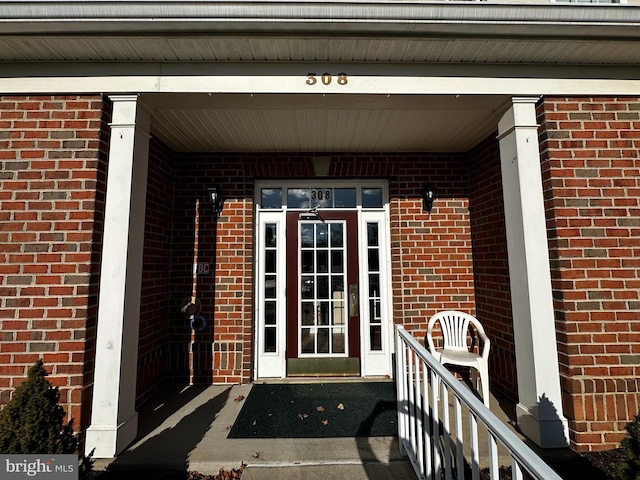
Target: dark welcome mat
<point>318,410</point>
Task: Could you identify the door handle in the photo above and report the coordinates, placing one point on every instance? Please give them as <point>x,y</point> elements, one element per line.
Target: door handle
<point>353,300</point>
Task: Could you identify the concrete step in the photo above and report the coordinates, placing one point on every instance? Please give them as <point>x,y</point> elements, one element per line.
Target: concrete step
<point>397,470</point>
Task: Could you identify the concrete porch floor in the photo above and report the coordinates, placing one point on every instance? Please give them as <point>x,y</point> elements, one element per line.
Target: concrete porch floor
<point>186,428</point>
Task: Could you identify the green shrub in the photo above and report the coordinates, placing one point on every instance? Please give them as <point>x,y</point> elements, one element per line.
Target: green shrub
<point>32,422</point>
<point>630,468</point>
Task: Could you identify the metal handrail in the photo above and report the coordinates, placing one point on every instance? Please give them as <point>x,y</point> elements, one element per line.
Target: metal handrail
<point>416,422</point>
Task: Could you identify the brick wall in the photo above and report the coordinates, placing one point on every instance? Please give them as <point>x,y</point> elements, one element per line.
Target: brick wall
<point>52,163</point>
<point>156,279</point>
<point>491,264</point>
<point>221,354</point>
<point>590,151</point>
<point>431,255</point>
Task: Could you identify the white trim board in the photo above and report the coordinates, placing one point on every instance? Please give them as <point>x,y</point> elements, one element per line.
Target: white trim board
<point>390,85</point>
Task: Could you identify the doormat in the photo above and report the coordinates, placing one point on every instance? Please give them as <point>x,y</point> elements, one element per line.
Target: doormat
<point>318,410</point>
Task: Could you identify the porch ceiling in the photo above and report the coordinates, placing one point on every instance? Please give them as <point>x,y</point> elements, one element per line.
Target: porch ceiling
<point>319,123</point>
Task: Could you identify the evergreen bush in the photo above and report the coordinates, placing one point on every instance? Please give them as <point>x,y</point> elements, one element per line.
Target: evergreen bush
<point>32,422</point>
<point>630,468</point>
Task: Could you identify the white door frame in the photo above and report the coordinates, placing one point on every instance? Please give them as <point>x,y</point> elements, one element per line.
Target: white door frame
<point>272,364</point>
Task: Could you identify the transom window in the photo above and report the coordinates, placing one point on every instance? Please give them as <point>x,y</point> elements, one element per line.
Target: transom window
<point>321,197</point>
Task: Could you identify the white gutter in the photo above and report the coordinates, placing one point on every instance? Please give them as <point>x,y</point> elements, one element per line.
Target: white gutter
<point>140,17</point>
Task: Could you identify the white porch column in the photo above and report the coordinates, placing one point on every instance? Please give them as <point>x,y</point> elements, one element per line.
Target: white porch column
<point>114,420</point>
<point>539,410</point>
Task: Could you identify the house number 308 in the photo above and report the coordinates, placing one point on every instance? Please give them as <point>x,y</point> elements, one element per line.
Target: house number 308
<point>326,79</point>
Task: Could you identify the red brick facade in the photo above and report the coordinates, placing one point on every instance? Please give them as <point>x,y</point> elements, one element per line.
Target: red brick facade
<point>52,152</point>
<point>590,151</point>
<point>431,259</point>
<point>491,265</point>
<point>156,276</point>
<point>431,255</point>
<point>52,184</point>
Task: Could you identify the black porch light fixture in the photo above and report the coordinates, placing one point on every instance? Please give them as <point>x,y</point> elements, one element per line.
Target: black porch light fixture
<point>428,196</point>
<point>215,195</point>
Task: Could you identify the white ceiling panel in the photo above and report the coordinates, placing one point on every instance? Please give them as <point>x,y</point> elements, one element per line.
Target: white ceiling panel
<point>346,123</point>
<point>318,49</point>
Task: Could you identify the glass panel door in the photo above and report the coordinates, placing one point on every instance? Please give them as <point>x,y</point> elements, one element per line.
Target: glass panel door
<point>322,271</point>
<point>322,289</point>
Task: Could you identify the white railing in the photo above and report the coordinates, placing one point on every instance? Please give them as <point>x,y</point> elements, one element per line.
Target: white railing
<point>427,436</point>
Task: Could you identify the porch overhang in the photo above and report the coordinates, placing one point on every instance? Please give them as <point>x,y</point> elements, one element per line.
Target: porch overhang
<point>345,31</point>
<point>206,67</point>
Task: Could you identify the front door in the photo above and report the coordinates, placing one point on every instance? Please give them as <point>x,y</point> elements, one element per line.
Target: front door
<point>323,323</point>
<point>323,285</point>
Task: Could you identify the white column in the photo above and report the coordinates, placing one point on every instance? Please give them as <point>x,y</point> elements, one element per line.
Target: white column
<point>539,410</point>
<point>114,420</point>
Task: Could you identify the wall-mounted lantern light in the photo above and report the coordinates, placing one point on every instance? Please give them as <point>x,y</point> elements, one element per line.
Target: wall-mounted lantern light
<point>427,198</point>
<point>215,195</point>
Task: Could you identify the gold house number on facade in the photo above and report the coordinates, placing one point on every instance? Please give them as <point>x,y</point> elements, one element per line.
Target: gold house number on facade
<point>327,79</point>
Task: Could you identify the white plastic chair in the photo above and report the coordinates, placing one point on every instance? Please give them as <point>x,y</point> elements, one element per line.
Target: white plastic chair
<point>456,349</point>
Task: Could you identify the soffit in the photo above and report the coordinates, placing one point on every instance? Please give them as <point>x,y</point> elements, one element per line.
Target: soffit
<point>316,123</point>
<point>319,49</point>
<point>318,30</point>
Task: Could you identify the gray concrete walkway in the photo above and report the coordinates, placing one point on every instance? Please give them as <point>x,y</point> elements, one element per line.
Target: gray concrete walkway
<point>187,428</point>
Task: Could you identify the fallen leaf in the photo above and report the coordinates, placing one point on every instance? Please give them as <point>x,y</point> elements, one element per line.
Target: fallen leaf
<point>325,422</point>
<point>255,422</point>
<point>233,474</point>
<point>229,427</point>
<point>255,455</point>
<point>320,408</point>
<point>340,406</point>
<point>302,416</point>
<point>239,398</point>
